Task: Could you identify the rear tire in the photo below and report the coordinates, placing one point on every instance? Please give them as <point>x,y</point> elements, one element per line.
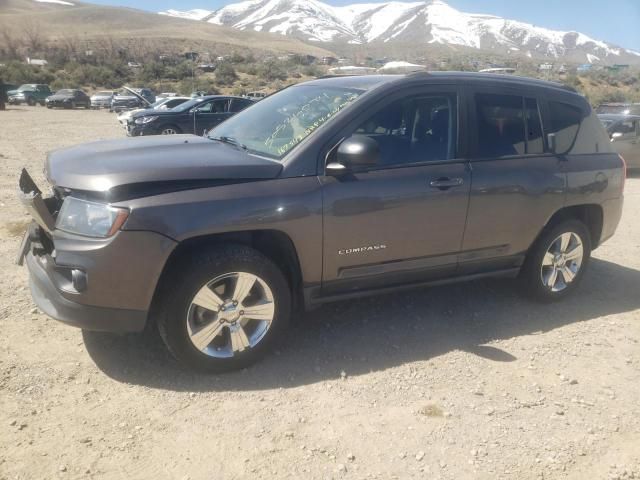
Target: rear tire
<point>235,339</point>
<point>31,102</point>
<point>556,263</point>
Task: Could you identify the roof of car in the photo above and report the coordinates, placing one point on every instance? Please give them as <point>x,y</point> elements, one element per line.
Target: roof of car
<point>367,82</point>
<point>617,104</point>
<point>617,116</point>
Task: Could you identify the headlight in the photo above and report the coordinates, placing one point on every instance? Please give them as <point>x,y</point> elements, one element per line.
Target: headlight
<point>143,120</point>
<point>90,218</point>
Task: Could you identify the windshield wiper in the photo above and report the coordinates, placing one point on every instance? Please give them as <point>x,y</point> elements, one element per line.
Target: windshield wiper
<point>230,141</point>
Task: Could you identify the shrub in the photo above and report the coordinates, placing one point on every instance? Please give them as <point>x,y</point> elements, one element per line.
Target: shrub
<point>225,74</point>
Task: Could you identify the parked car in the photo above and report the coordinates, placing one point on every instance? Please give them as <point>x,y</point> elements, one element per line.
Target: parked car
<point>198,115</point>
<point>256,95</point>
<point>160,105</point>
<point>102,99</point>
<point>68,98</point>
<point>130,98</point>
<point>29,93</point>
<point>619,108</point>
<point>328,190</point>
<point>624,131</point>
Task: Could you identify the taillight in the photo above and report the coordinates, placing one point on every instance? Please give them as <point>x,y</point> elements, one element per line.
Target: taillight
<point>624,171</point>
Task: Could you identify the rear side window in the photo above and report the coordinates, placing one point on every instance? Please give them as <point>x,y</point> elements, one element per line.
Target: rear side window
<point>565,123</point>
<point>508,125</point>
<point>239,104</point>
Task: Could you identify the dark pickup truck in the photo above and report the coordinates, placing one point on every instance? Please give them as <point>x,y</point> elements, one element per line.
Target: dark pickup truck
<point>328,190</point>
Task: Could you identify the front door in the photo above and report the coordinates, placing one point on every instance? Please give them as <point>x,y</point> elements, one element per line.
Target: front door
<point>403,220</point>
<point>626,141</point>
<point>210,114</point>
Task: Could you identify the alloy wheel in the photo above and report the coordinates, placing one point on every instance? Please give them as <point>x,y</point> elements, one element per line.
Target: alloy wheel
<point>230,314</point>
<point>562,262</point>
<point>169,131</point>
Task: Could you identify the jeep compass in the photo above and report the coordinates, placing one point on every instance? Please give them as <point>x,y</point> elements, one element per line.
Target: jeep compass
<point>331,189</point>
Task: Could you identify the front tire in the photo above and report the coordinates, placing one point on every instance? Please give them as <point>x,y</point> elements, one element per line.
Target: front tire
<point>169,130</point>
<point>223,308</point>
<point>557,261</point>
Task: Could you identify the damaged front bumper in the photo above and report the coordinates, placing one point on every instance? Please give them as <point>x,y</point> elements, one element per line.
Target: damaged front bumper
<point>104,284</point>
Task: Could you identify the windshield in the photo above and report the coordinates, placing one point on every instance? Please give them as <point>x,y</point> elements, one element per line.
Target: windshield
<point>158,103</point>
<point>26,88</point>
<point>273,126</point>
<point>64,92</point>
<point>183,107</point>
<point>104,94</point>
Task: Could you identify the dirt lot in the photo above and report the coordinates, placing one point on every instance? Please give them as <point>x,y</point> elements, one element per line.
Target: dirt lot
<point>466,381</point>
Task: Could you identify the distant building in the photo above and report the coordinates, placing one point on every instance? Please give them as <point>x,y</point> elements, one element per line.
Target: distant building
<point>134,65</point>
<point>401,67</point>
<point>500,70</point>
<point>585,67</point>
<point>329,60</point>
<point>37,62</point>
<point>545,67</point>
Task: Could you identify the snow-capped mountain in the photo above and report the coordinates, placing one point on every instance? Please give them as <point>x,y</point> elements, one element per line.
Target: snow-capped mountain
<point>431,21</point>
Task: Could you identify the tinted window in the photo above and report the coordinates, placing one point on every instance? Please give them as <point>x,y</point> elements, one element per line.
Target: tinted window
<point>508,125</point>
<point>565,122</point>
<point>239,104</point>
<point>501,128</point>
<point>414,130</point>
<point>216,106</point>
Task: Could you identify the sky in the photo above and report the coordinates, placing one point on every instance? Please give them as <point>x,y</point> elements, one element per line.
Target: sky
<point>617,22</point>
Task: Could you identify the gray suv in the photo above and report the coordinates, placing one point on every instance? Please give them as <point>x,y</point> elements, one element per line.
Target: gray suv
<point>328,190</point>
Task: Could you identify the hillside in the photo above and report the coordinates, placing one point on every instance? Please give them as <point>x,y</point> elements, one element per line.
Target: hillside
<point>411,23</point>
<point>56,22</point>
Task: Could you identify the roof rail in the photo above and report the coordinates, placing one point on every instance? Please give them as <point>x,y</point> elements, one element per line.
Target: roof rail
<point>418,73</point>
<point>338,75</point>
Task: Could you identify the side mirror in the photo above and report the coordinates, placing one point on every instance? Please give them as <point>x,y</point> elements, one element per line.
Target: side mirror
<point>553,145</point>
<point>355,153</point>
<point>616,136</point>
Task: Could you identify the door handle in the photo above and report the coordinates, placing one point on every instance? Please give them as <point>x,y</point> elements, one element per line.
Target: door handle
<point>445,183</point>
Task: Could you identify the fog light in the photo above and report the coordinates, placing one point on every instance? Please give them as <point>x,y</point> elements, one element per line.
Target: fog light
<point>78,280</point>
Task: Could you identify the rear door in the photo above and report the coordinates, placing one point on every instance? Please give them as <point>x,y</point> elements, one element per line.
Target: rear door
<point>517,183</point>
<point>211,113</point>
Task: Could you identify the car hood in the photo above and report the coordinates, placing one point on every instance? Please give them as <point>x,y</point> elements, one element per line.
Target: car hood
<point>106,166</point>
<point>15,92</point>
<point>137,95</point>
<point>148,112</point>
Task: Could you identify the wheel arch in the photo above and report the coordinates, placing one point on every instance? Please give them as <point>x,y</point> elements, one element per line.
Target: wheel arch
<point>273,244</point>
<point>591,214</point>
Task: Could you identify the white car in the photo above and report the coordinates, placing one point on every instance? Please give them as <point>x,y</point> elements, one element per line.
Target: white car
<point>162,104</point>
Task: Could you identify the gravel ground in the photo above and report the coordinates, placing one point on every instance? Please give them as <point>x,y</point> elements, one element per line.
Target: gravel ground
<point>465,381</point>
